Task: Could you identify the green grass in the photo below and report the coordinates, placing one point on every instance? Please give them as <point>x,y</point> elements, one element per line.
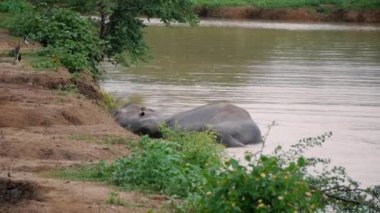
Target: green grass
<point>69,89</point>
<point>82,137</point>
<point>107,140</point>
<point>112,140</point>
<point>41,62</point>
<point>188,167</point>
<point>6,19</point>
<point>114,199</point>
<point>109,102</point>
<point>44,63</point>
<point>172,166</point>
<point>272,4</point>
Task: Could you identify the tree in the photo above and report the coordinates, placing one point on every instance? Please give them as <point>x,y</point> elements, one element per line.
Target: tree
<point>70,38</point>
<point>121,27</point>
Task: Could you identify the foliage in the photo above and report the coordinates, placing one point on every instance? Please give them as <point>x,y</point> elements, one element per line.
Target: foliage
<point>44,62</point>
<point>114,199</point>
<point>89,173</point>
<point>157,167</point>
<point>83,6</point>
<point>6,20</point>
<point>112,140</point>
<point>188,165</point>
<point>168,166</point>
<point>14,6</point>
<point>270,4</point>
<point>76,43</point>
<point>39,60</point>
<point>109,102</point>
<point>69,89</point>
<point>10,9</point>
<point>340,192</point>
<point>123,31</point>
<point>198,148</point>
<point>281,182</point>
<point>66,37</point>
<point>264,187</point>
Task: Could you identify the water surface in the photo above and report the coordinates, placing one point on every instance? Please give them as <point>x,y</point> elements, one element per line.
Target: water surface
<point>308,78</point>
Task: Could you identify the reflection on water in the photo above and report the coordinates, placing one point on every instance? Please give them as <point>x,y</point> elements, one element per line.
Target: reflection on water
<point>309,82</point>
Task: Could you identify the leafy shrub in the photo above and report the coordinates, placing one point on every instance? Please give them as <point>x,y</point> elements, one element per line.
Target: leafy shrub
<point>84,6</point>
<point>345,4</point>
<point>281,182</point>
<point>109,102</point>
<point>169,166</point>
<point>44,63</point>
<point>14,6</point>
<point>263,186</point>
<point>65,35</point>
<point>198,148</point>
<point>157,166</point>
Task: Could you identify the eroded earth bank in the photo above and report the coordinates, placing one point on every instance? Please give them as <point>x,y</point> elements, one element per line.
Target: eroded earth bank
<point>46,127</point>
<point>328,13</point>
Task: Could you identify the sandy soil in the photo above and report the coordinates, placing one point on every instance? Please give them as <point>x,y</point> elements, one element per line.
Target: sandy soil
<point>42,129</point>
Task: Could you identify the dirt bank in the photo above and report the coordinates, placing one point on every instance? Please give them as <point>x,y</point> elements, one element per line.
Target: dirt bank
<point>43,127</point>
<point>300,15</point>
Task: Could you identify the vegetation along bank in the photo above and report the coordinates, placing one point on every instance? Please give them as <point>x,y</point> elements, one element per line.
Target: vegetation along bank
<point>359,11</point>
<point>61,151</point>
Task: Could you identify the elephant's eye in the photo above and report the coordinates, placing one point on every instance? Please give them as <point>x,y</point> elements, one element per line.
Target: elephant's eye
<point>142,114</point>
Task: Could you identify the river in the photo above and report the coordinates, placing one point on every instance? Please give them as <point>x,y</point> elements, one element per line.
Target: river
<point>309,78</point>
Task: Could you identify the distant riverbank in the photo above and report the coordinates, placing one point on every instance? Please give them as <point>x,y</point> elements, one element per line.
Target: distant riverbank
<point>304,14</point>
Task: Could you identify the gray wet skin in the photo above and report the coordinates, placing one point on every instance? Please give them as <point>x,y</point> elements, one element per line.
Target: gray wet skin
<point>233,125</point>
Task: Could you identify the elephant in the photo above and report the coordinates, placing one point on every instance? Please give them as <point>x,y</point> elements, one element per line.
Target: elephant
<point>233,125</point>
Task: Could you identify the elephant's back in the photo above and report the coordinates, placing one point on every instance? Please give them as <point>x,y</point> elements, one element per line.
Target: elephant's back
<point>211,114</point>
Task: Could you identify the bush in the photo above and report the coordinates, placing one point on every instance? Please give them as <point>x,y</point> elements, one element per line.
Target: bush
<point>271,4</point>
<point>263,186</point>
<point>281,182</point>
<point>84,6</point>
<point>14,6</point>
<point>65,35</point>
<point>109,102</point>
<point>198,148</point>
<point>169,166</point>
<point>188,165</point>
<point>156,167</point>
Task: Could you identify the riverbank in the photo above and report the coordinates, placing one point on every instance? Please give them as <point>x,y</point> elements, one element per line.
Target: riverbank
<point>50,121</point>
<point>304,14</point>
<point>359,11</point>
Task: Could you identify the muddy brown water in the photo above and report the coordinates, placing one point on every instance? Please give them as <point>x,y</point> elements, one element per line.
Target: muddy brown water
<point>309,78</point>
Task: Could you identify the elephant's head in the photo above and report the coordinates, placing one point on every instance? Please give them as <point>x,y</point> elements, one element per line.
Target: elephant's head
<point>139,119</point>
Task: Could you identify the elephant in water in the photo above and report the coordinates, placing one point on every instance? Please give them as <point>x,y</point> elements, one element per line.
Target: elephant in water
<point>233,125</point>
